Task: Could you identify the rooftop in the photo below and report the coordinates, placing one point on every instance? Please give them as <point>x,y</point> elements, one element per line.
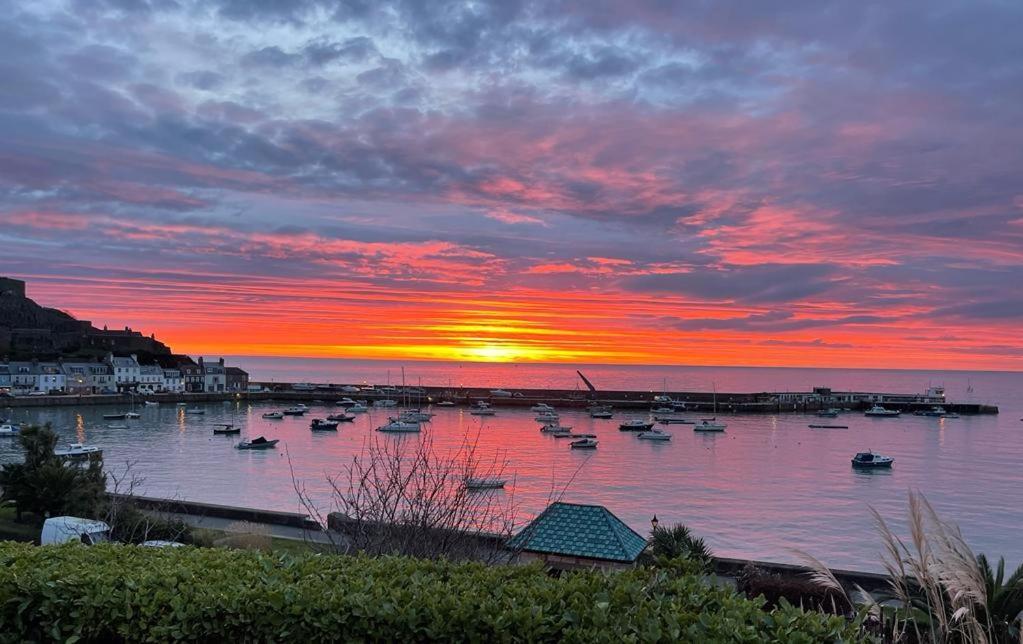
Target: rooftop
<point>589,531</point>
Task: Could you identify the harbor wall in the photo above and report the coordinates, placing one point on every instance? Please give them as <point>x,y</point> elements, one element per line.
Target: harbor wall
<point>700,402</point>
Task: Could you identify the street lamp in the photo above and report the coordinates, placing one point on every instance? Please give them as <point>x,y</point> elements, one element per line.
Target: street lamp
<point>654,522</point>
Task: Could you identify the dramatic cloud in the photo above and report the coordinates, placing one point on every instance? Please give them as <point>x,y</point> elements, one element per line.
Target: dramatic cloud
<point>605,180</point>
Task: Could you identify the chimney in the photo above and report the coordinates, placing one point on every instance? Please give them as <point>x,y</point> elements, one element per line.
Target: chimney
<point>221,362</point>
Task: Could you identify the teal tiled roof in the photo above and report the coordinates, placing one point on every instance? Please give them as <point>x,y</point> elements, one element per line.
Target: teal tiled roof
<point>589,531</point>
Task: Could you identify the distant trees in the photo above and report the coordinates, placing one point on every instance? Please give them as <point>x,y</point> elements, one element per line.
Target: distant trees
<point>44,485</point>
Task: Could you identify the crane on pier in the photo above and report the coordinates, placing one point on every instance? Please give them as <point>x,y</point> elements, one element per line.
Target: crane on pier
<point>593,390</point>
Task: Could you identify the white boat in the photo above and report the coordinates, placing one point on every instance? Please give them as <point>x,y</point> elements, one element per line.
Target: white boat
<point>542,408</point>
<point>303,386</point>
<point>151,403</point>
<point>345,402</point>
<point>601,412</point>
<point>636,425</point>
<point>417,415</point>
<point>398,427</point>
<point>320,425</point>
<point>445,403</point>
<point>181,404</point>
<point>341,418</point>
<point>828,413</point>
<point>350,389</point>
<point>934,412</point>
<point>117,427</point>
<point>8,429</point>
<point>706,425</point>
<point>585,443</point>
<point>132,415</point>
<point>654,435</point>
<point>295,411</point>
<point>663,410</point>
<point>674,420</point>
<point>552,428</point>
<point>78,450</point>
<point>195,411</point>
<point>500,393</point>
<point>386,402</point>
<point>869,459</point>
<point>482,409</point>
<point>548,418</point>
<point>273,415</point>
<point>484,483</point>
<point>358,408</point>
<point>880,412</point>
<point>258,443</point>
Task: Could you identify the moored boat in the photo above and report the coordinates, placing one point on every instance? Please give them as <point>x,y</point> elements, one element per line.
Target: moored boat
<point>672,420</point>
<point>445,403</point>
<point>78,450</point>
<point>120,416</point>
<point>869,459</point>
<point>9,429</point>
<point>358,408</point>
<point>706,425</point>
<point>273,415</point>
<point>195,411</point>
<point>226,428</point>
<point>295,411</point>
<point>550,428</point>
<point>484,483</point>
<point>585,443</point>
<point>828,413</point>
<point>654,435</point>
<point>258,443</point>
<point>601,412</point>
<point>400,427</point>
<point>482,409</point>
<point>878,411</point>
<point>341,418</point>
<point>320,425</point>
<point>542,408</point>
<point>385,402</point>
<point>636,425</point>
<point>548,417</point>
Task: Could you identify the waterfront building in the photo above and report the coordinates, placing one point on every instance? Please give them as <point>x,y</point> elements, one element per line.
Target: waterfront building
<point>173,381</point>
<point>86,378</point>
<point>126,371</point>
<point>570,535</point>
<point>150,379</point>
<point>192,376</point>
<point>824,396</point>
<point>237,379</point>
<point>214,375</point>
<point>5,378</point>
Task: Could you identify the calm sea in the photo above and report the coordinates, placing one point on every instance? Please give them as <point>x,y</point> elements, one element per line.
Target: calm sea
<point>767,484</point>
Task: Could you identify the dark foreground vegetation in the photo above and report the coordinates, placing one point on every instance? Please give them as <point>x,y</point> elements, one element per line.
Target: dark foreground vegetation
<point>117,593</point>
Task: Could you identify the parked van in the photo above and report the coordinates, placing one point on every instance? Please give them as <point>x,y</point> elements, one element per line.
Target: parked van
<point>67,529</point>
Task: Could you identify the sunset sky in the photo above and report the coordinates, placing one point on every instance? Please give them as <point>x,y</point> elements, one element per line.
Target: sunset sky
<point>802,182</point>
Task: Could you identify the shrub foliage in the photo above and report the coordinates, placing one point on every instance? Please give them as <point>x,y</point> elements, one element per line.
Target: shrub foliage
<point>118,593</point>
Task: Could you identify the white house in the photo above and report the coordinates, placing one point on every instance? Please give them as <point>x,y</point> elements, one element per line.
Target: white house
<point>126,370</point>
<point>214,375</point>
<point>88,377</point>
<point>150,379</point>
<point>5,378</point>
<point>173,381</point>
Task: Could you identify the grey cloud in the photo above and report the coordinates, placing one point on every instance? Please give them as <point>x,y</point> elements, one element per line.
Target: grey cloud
<point>203,79</point>
<point>753,284</point>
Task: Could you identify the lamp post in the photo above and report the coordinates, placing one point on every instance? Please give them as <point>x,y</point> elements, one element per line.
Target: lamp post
<point>654,522</point>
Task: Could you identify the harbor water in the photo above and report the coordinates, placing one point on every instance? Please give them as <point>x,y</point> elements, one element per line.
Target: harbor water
<point>767,484</point>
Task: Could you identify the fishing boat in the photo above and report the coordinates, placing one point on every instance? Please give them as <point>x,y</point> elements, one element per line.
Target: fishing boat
<point>399,427</point>
<point>869,459</point>
<point>226,428</point>
<point>585,443</point>
<point>484,483</point>
<point>78,450</point>
<point>710,425</point>
<point>878,411</point>
<point>8,429</point>
<point>295,411</point>
<point>654,435</point>
<point>273,415</point>
<point>542,408</point>
<point>482,409</point>
<point>341,418</point>
<point>551,428</point>
<point>828,413</point>
<point>636,425</point>
<point>258,443</point>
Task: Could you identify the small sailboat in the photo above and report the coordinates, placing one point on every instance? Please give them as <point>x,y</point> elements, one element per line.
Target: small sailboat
<point>709,425</point>
<point>273,415</point>
<point>400,427</point>
<point>585,443</point>
<point>636,425</point>
<point>226,428</point>
<point>258,443</point>
<point>654,435</point>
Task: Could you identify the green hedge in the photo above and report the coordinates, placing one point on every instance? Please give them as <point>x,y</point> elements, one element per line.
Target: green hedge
<point>114,593</point>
